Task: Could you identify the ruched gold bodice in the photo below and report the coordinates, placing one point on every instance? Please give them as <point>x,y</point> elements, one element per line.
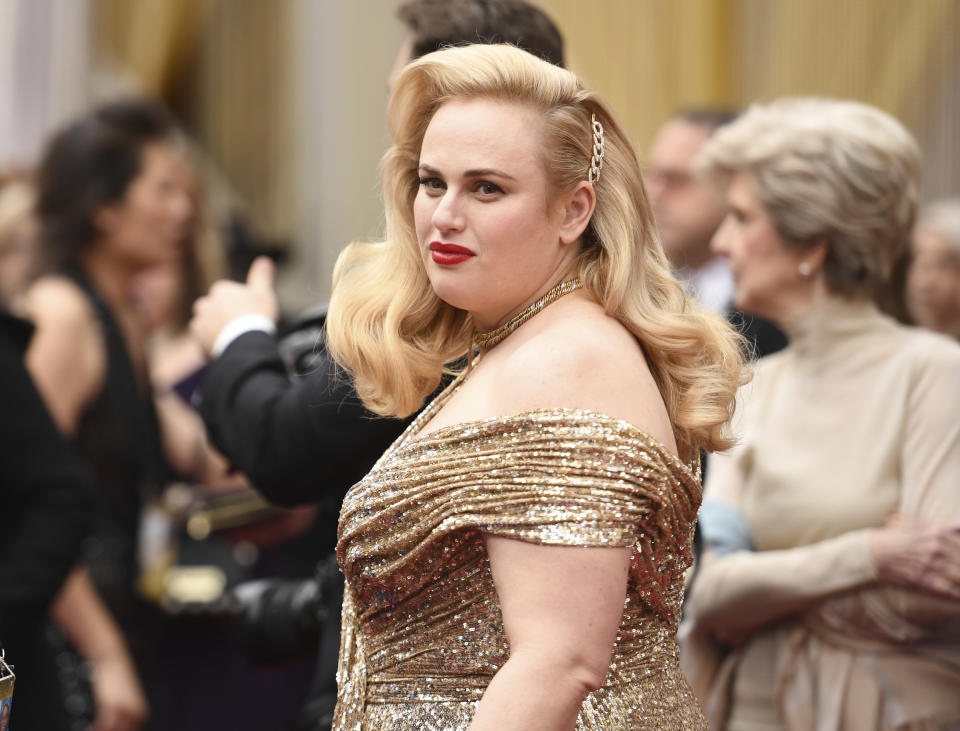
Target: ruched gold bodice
<point>422,629</point>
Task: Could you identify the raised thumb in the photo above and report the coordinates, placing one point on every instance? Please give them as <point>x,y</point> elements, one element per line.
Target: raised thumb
<point>260,275</point>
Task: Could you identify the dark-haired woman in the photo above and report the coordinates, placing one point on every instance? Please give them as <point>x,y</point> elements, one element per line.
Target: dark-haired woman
<point>110,204</point>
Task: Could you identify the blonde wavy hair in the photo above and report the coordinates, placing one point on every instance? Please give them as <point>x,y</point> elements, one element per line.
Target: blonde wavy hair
<point>390,330</point>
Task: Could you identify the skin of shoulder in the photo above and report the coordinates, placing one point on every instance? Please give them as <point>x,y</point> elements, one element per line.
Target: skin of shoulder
<point>66,357</point>
<point>578,357</point>
<point>57,298</point>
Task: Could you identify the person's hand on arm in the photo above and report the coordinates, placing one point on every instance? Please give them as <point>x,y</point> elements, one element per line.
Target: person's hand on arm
<point>118,696</point>
<point>239,307</point>
<point>561,609</point>
<point>919,556</point>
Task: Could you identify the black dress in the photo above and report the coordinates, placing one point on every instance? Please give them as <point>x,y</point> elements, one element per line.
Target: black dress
<point>118,437</point>
<point>46,511</point>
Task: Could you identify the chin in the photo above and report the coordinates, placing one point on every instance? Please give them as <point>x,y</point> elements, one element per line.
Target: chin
<point>448,290</point>
<point>747,305</point>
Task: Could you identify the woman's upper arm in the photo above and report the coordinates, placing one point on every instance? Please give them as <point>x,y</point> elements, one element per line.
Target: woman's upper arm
<point>66,358</point>
<point>561,603</point>
<point>930,462</point>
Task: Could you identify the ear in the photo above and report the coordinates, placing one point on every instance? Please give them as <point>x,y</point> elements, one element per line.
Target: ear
<point>816,255</point>
<point>577,210</point>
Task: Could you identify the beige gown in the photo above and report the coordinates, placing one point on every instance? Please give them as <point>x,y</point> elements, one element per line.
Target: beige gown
<point>858,419</point>
<point>422,630</point>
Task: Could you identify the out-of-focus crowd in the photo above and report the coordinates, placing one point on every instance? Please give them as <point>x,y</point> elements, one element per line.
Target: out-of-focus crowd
<point>827,590</point>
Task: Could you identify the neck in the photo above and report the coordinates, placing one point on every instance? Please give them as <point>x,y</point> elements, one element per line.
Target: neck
<point>949,327</point>
<point>485,322</point>
<point>794,307</point>
<point>109,276</point>
<point>488,339</point>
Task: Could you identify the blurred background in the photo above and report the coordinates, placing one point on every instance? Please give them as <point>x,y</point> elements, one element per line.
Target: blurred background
<point>286,98</point>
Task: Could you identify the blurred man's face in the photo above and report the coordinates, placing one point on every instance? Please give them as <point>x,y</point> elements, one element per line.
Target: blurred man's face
<point>687,211</point>
<point>933,282</point>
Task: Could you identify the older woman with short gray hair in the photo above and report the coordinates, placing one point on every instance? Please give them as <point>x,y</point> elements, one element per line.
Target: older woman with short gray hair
<point>829,591</point>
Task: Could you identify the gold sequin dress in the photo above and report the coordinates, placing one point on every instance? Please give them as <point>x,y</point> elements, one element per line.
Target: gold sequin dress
<point>422,631</point>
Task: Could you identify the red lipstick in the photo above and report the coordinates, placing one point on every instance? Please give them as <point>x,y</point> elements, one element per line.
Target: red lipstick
<point>449,254</point>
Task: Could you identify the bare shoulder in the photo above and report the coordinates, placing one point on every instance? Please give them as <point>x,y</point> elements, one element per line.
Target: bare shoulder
<point>580,358</point>
<point>57,302</point>
<point>68,338</point>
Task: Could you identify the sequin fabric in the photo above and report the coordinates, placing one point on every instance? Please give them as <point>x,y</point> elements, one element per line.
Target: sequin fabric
<point>422,629</point>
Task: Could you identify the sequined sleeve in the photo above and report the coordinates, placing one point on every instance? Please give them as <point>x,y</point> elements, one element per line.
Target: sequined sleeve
<point>554,477</point>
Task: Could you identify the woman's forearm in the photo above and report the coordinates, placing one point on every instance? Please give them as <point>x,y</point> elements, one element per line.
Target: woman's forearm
<point>748,589</point>
<point>534,693</point>
<point>81,614</point>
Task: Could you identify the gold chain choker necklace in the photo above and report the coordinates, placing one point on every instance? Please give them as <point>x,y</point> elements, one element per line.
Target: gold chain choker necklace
<point>492,337</point>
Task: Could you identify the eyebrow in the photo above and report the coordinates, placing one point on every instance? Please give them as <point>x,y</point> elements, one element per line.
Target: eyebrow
<point>474,173</point>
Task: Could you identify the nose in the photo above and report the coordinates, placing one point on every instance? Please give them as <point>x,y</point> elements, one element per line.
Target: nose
<point>448,216</point>
<point>719,242</point>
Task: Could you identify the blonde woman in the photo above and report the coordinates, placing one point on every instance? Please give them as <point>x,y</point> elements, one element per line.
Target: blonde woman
<point>515,560</point>
<point>830,581</point>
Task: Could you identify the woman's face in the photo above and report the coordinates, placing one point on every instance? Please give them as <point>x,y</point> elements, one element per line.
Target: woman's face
<point>488,225</point>
<point>152,223</point>
<point>933,282</point>
<point>766,273</point>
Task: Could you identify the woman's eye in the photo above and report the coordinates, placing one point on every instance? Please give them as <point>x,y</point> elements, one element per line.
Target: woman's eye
<point>486,188</point>
<point>432,184</point>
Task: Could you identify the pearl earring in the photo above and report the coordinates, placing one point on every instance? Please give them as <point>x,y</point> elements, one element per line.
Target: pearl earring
<point>804,269</point>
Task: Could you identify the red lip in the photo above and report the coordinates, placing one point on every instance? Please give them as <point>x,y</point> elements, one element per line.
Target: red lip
<point>449,254</point>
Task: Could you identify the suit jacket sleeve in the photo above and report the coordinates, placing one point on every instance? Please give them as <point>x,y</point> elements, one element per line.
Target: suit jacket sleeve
<point>304,439</point>
<point>46,494</point>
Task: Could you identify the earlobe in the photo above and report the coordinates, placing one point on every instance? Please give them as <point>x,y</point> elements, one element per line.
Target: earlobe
<point>816,256</point>
<point>577,212</point>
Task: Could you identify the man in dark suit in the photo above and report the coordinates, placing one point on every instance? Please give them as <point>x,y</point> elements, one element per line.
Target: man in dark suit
<point>688,212</point>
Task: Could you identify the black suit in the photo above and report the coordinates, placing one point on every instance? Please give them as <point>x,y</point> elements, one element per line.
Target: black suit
<point>46,511</point>
<point>300,440</point>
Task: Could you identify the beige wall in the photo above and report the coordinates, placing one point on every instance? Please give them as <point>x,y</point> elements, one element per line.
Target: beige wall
<point>341,54</point>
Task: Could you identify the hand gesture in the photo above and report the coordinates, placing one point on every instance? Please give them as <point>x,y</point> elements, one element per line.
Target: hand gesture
<point>228,300</point>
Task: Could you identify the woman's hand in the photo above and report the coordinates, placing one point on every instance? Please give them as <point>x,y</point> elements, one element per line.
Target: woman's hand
<point>120,702</point>
<point>925,558</point>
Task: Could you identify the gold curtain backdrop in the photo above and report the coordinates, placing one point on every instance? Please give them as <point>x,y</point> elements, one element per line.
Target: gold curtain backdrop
<point>256,86</point>
<point>654,57</point>
<point>221,65</point>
